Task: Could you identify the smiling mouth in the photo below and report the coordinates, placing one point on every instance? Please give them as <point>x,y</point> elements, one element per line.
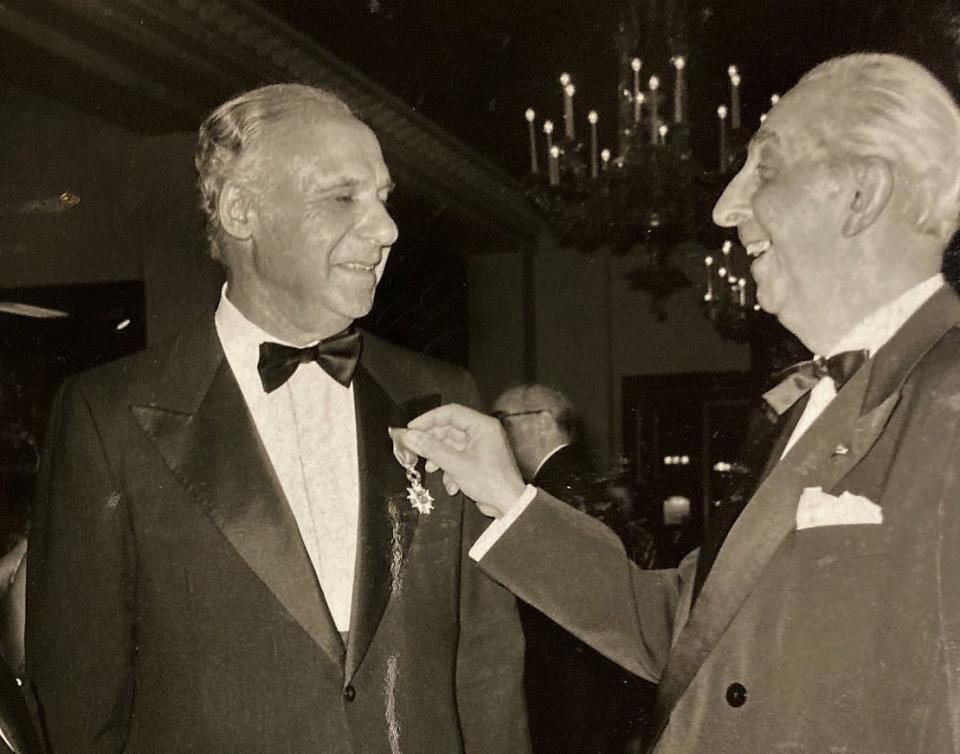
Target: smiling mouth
<point>756,248</point>
<point>358,266</point>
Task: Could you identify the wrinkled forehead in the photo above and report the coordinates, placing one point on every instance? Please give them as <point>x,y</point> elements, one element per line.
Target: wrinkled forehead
<point>319,140</point>
<point>800,122</point>
<point>508,403</point>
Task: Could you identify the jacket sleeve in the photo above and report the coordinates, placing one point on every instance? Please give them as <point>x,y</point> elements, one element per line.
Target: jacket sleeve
<point>575,570</point>
<point>80,581</point>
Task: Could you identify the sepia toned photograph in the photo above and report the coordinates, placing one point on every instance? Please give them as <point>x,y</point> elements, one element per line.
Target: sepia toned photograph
<point>479,377</point>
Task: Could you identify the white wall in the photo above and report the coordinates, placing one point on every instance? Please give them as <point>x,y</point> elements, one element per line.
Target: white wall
<point>593,330</point>
<point>495,321</point>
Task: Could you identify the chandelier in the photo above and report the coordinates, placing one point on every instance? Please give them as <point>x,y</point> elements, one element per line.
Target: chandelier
<point>650,193</point>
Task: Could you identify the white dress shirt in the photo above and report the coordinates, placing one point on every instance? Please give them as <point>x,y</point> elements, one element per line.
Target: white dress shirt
<point>870,334</point>
<point>308,427</point>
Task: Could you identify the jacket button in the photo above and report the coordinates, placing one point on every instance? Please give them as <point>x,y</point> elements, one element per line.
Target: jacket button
<point>736,695</point>
<point>349,693</point>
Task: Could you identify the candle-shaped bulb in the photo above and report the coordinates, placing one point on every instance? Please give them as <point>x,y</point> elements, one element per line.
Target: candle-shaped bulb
<point>654,83</point>
<point>627,94</point>
<point>635,64</point>
<point>727,245</point>
<point>722,112</point>
<point>564,79</point>
<point>708,261</point>
<point>742,283</point>
<point>722,272</point>
<point>732,71</point>
<point>763,117</point>
<point>569,90</point>
<point>774,99</point>
<point>554,151</point>
<point>679,62</point>
<point>735,79</point>
<point>530,114</point>
<point>605,155</point>
<point>548,126</point>
<point>640,98</point>
<point>663,131</point>
<point>593,117</point>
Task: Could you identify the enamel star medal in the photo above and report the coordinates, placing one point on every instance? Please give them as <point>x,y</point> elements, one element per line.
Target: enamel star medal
<point>418,495</point>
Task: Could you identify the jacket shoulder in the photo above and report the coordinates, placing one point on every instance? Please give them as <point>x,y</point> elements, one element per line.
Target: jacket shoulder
<point>416,373</point>
<point>138,375</point>
<point>939,369</point>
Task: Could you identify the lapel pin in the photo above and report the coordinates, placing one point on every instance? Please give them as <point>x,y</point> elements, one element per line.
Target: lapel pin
<point>841,450</point>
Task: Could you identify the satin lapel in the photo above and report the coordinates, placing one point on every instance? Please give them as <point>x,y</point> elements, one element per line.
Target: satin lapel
<point>206,436</point>
<point>853,420</point>
<point>387,521</point>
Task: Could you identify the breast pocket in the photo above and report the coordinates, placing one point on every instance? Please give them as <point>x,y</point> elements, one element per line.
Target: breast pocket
<point>828,544</point>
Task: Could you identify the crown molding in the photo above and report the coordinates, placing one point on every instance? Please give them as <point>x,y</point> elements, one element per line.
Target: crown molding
<point>189,55</point>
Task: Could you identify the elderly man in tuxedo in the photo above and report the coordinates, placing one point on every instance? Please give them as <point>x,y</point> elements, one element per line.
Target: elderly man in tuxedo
<point>225,556</point>
<point>825,614</point>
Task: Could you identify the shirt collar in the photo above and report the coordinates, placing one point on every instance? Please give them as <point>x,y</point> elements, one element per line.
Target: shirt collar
<point>876,329</point>
<point>550,455</point>
<point>241,341</point>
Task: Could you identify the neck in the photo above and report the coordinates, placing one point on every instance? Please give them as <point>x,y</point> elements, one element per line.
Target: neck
<point>262,308</point>
<point>874,292</point>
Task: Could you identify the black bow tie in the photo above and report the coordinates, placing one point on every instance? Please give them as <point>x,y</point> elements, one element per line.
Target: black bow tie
<point>337,356</point>
<point>801,378</point>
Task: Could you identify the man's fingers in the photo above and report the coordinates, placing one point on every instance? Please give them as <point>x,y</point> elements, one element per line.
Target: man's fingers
<point>431,467</point>
<point>435,451</point>
<point>453,437</point>
<point>451,486</point>
<point>458,416</point>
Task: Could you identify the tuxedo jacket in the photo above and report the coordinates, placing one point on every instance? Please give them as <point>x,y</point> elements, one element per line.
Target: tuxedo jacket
<point>172,606</point>
<point>832,638</point>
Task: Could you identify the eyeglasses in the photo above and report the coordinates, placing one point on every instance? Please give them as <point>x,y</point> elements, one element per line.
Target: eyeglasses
<point>501,415</point>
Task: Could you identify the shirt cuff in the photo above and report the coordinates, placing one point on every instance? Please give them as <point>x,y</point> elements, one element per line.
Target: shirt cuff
<point>496,530</point>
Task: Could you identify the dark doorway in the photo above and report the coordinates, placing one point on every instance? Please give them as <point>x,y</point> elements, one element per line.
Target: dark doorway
<point>683,434</point>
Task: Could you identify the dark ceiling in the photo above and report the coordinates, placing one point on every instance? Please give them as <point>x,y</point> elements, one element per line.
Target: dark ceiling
<point>474,67</point>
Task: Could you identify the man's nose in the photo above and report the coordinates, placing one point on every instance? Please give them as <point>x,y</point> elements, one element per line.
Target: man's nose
<point>733,207</point>
<point>380,228</point>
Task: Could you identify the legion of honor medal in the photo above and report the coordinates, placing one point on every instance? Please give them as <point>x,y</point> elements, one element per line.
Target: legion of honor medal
<point>418,495</point>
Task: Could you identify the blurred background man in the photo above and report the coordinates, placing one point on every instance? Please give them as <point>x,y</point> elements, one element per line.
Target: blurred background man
<point>579,702</point>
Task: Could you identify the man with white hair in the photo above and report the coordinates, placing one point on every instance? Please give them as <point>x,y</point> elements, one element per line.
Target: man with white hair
<point>825,616</point>
<point>225,554</point>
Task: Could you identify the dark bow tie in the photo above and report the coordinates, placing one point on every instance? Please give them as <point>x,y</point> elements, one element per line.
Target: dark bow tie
<point>337,356</point>
<point>801,378</point>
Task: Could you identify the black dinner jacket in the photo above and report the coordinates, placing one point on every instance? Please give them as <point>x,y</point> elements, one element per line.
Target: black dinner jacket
<point>172,605</point>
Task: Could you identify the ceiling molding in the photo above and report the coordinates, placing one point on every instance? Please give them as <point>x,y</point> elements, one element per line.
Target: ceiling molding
<point>189,55</point>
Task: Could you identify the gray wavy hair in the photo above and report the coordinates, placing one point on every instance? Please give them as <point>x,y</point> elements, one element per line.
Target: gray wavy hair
<point>228,133</point>
<point>893,108</point>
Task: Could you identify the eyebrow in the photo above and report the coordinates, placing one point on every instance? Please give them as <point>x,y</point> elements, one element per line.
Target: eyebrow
<point>343,183</point>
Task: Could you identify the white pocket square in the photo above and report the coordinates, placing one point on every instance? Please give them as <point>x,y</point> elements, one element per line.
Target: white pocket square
<point>819,508</point>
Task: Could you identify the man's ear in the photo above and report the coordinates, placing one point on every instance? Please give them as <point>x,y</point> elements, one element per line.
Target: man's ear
<point>235,210</point>
<point>873,180</point>
<point>544,421</point>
